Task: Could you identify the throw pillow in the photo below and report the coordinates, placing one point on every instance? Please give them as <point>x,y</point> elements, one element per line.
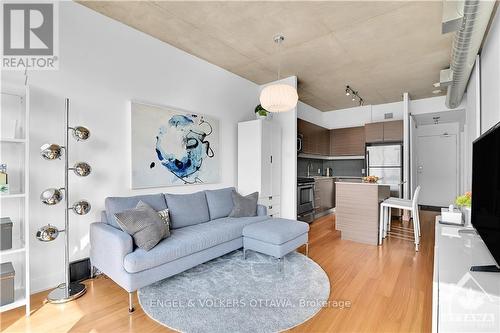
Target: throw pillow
<point>244,206</point>
<point>164,216</point>
<point>143,224</point>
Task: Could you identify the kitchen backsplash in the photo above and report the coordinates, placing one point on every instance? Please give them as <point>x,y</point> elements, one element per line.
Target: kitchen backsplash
<point>353,168</point>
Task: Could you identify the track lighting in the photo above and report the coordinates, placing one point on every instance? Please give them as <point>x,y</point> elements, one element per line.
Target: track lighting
<point>355,95</point>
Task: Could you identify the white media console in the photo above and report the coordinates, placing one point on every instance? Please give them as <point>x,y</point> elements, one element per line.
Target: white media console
<point>463,301</point>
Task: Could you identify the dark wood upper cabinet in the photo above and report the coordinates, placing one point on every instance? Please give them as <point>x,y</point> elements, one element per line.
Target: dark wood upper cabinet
<point>347,141</point>
<point>374,132</point>
<point>315,139</point>
<point>393,130</point>
<point>388,131</point>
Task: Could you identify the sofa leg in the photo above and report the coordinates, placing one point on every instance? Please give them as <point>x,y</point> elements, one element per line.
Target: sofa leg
<point>130,302</point>
<point>244,254</point>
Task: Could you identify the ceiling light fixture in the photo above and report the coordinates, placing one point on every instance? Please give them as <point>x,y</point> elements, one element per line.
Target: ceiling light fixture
<point>355,95</point>
<point>279,97</point>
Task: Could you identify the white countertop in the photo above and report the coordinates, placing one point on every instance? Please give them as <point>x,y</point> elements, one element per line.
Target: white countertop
<point>363,183</point>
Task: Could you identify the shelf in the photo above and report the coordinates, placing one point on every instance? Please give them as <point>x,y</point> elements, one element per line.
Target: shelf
<point>19,300</point>
<point>9,140</point>
<point>12,195</point>
<point>12,251</point>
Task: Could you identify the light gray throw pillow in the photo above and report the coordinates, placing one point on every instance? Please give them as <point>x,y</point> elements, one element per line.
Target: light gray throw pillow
<point>244,206</point>
<point>144,224</point>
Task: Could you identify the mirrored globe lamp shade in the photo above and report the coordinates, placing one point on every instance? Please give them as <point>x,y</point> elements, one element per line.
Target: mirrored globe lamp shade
<point>68,290</point>
<point>51,151</point>
<point>52,196</point>
<point>47,233</point>
<point>80,133</point>
<point>82,169</point>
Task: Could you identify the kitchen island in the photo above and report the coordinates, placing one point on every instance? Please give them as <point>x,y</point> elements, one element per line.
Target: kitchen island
<point>357,210</point>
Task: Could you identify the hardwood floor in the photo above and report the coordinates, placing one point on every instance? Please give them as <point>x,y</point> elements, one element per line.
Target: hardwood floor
<point>389,288</point>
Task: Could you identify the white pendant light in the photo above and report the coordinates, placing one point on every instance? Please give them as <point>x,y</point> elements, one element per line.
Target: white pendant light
<point>279,97</point>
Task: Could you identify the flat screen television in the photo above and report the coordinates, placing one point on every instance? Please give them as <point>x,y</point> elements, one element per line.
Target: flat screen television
<point>485,216</point>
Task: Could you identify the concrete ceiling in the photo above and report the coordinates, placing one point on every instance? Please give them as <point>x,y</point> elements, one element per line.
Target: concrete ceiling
<point>379,48</point>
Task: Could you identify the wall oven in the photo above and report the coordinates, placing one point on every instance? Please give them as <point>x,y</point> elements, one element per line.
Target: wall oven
<point>305,199</point>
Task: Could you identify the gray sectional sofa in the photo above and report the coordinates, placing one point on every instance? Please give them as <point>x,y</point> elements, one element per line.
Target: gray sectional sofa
<point>200,231</point>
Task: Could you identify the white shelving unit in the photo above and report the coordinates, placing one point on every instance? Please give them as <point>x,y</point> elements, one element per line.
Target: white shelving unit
<point>14,151</point>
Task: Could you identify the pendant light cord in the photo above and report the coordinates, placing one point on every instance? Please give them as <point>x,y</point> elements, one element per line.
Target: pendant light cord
<point>278,39</point>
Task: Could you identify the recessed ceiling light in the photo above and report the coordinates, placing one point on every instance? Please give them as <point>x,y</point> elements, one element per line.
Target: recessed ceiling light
<point>437,91</point>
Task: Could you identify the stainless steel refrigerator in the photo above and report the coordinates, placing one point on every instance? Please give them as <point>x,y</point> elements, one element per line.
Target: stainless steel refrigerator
<point>386,162</point>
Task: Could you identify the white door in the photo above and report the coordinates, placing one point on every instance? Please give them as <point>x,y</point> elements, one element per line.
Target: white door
<point>437,169</point>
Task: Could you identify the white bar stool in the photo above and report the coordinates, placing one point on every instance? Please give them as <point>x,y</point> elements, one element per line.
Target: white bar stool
<point>385,215</point>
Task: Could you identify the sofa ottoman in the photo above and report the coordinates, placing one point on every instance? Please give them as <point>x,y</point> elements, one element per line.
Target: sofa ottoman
<point>275,237</point>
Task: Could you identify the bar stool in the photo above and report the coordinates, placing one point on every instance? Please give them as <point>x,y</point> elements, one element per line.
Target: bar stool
<point>385,215</point>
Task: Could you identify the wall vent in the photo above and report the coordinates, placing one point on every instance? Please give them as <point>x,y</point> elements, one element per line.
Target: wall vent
<point>388,115</point>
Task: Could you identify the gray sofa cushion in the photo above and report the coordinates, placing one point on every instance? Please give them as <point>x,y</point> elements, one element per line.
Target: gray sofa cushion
<point>220,202</point>
<point>115,205</point>
<point>244,206</point>
<point>185,241</point>
<point>276,231</point>
<point>187,209</point>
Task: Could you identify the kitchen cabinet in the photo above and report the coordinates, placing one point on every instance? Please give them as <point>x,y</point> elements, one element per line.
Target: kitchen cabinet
<point>259,162</point>
<point>315,139</point>
<point>393,131</point>
<point>324,191</point>
<point>374,132</point>
<point>388,131</point>
<point>347,141</point>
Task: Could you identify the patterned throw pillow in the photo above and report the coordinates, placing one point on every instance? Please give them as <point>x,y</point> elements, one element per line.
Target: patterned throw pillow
<point>165,216</point>
<point>143,224</point>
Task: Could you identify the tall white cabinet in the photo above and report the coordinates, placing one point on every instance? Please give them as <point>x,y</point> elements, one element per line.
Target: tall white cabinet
<point>259,162</point>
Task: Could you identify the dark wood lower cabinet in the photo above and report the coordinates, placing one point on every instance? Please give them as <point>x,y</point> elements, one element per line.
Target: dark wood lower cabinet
<point>324,194</point>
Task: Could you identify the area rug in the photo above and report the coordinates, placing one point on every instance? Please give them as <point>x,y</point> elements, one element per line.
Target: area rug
<point>230,294</point>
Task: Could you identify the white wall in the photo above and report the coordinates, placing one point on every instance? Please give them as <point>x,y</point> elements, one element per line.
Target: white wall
<point>351,117</point>
<point>288,123</point>
<point>103,65</point>
<point>490,76</point>
<point>472,123</point>
<point>359,116</point>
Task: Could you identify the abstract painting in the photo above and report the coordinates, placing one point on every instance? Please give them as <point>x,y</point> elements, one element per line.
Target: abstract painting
<point>172,147</point>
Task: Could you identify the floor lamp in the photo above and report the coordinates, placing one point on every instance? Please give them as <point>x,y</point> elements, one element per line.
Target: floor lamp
<point>66,291</point>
